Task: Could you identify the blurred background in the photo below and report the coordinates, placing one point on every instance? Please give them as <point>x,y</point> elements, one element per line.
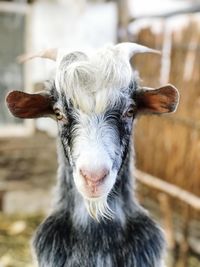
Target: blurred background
<point>167,147</point>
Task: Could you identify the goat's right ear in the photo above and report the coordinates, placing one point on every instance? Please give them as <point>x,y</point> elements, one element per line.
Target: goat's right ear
<point>29,106</point>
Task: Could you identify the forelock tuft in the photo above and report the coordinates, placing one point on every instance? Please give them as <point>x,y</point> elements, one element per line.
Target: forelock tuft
<point>93,81</point>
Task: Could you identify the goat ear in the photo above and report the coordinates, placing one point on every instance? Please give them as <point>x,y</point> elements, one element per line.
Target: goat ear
<point>162,100</point>
<point>29,106</point>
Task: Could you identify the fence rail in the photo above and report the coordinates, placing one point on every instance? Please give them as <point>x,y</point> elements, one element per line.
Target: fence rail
<point>170,189</point>
<point>182,243</point>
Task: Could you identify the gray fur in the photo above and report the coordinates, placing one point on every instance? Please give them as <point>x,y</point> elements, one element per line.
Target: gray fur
<point>70,237</point>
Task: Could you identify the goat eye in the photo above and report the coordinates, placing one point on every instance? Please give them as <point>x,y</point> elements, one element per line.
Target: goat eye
<point>59,114</point>
<point>130,112</point>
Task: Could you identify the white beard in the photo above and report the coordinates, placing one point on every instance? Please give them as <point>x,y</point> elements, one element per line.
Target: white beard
<point>98,208</point>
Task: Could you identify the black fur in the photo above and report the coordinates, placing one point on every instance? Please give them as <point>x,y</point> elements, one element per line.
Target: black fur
<point>138,243</point>
<point>132,241</point>
<point>59,244</point>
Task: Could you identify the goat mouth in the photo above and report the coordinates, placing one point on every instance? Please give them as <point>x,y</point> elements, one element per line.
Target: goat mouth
<point>93,186</point>
<point>93,189</point>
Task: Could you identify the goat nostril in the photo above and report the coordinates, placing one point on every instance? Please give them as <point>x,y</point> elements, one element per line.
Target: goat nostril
<point>105,173</point>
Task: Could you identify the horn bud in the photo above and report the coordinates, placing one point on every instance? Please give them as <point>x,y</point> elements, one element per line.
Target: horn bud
<point>48,53</point>
<point>131,49</point>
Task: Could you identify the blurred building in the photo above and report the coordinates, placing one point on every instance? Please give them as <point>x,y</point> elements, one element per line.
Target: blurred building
<point>28,28</point>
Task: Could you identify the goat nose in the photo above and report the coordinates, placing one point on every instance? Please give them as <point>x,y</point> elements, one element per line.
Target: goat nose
<point>94,176</point>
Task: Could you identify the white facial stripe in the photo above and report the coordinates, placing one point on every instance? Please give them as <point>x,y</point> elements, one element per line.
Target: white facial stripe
<point>94,147</point>
<point>94,84</point>
<point>95,138</point>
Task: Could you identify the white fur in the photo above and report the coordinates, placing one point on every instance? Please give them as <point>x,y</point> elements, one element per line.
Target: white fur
<point>93,146</point>
<point>103,260</point>
<point>93,81</point>
<point>161,264</point>
<point>80,214</point>
<point>98,208</point>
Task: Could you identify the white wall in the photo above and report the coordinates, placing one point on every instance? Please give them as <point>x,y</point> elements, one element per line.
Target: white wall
<point>156,7</point>
<point>67,24</point>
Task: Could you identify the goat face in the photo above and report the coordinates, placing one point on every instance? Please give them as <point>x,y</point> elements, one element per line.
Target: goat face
<point>96,144</point>
<point>95,99</point>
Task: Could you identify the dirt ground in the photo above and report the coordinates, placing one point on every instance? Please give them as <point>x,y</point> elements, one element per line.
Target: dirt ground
<point>15,239</point>
<point>27,174</point>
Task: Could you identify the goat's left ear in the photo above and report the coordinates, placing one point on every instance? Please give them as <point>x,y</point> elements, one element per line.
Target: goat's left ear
<point>162,100</point>
<point>29,106</point>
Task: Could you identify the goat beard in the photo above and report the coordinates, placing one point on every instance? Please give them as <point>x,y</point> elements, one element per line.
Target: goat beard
<point>98,208</point>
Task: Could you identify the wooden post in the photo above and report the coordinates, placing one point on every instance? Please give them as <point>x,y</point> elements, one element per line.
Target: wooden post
<point>2,193</point>
<point>166,210</point>
<point>184,246</point>
<point>123,20</point>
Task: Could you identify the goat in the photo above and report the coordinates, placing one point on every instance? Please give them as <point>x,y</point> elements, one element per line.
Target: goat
<point>96,221</point>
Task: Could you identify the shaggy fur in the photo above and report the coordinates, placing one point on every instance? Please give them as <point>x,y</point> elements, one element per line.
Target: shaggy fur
<point>95,98</point>
<point>121,233</point>
<point>95,81</point>
<point>70,237</point>
<point>93,92</point>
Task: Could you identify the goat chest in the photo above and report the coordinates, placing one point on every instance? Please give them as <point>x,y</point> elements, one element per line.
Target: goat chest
<point>138,243</point>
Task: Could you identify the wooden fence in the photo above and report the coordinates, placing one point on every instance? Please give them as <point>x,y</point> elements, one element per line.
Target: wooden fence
<point>169,146</point>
